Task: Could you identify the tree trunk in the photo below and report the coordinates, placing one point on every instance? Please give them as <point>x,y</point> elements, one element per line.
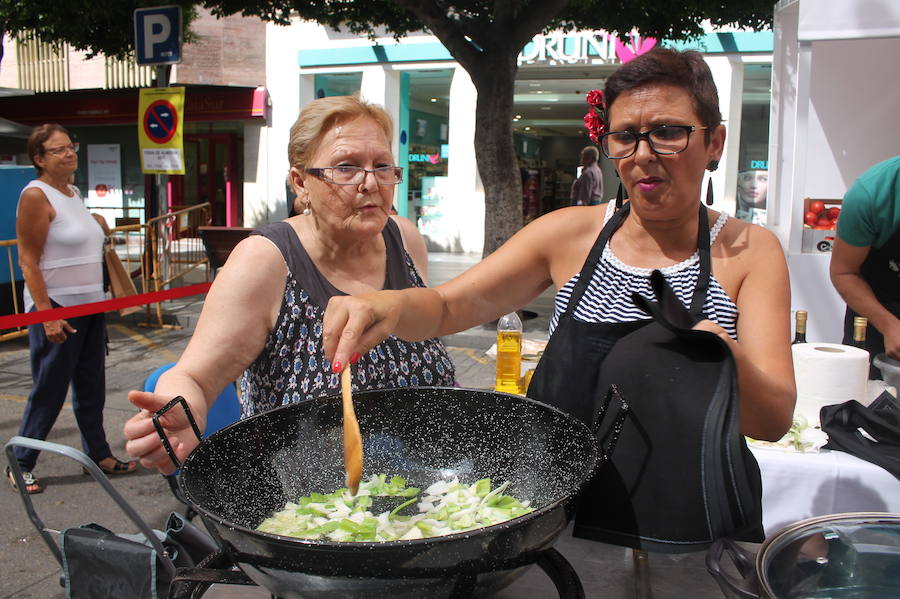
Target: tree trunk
<point>494,78</point>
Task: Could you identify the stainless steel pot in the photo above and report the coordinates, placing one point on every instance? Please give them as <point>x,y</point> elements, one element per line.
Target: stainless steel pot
<point>836,556</point>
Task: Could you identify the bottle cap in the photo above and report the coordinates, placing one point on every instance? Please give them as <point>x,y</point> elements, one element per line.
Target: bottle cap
<point>860,321</point>
<point>801,315</point>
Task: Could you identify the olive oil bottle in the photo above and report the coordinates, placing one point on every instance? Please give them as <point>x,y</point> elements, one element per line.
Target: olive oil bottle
<point>509,353</point>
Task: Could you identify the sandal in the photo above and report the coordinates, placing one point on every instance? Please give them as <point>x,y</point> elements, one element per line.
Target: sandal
<point>114,466</point>
<point>32,484</point>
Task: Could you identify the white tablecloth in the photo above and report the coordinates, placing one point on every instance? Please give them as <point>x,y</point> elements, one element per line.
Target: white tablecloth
<point>802,485</point>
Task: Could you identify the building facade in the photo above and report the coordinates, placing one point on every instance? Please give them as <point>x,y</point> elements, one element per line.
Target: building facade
<point>225,116</point>
<point>432,100</point>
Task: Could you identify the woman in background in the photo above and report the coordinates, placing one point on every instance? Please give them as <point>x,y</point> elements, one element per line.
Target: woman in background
<point>60,253</point>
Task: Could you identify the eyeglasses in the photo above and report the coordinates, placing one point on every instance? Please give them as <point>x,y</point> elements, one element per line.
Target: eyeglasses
<point>665,139</point>
<point>354,175</point>
<point>63,150</point>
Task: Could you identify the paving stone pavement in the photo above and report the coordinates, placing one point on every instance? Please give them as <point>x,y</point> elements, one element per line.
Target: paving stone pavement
<point>28,570</point>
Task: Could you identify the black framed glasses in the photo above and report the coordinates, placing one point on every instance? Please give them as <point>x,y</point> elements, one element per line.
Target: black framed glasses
<point>354,175</point>
<point>664,139</point>
<point>62,150</point>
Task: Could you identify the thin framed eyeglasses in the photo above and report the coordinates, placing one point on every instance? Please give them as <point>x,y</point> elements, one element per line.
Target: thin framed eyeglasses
<point>664,139</point>
<point>355,175</point>
<point>62,150</point>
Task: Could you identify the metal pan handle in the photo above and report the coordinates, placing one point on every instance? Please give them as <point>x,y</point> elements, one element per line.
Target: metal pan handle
<point>162,433</point>
<point>609,439</point>
<point>747,586</point>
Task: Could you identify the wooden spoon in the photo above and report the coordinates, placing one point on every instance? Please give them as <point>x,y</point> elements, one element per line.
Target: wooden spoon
<point>353,454</point>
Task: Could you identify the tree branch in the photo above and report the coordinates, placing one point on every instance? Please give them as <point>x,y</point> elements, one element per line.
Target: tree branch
<point>532,19</point>
<point>455,38</point>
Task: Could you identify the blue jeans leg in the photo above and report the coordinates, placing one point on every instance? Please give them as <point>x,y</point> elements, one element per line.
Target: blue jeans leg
<point>89,386</point>
<point>53,367</point>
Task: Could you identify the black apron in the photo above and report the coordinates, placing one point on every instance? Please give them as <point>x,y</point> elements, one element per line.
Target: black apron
<point>881,270</point>
<point>567,374</point>
<point>681,475</point>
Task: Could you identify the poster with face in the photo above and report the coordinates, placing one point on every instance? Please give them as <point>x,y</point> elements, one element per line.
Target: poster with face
<point>752,189</point>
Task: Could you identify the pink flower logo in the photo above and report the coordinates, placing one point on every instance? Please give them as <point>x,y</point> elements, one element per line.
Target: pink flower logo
<point>636,46</point>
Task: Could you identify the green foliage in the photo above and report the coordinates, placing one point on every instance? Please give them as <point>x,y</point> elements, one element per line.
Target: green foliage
<point>663,18</point>
<point>97,26</point>
<point>654,18</point>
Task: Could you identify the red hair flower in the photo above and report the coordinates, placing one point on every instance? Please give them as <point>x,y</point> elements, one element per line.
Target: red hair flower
<point>595,119</point>
<point>595,98</point>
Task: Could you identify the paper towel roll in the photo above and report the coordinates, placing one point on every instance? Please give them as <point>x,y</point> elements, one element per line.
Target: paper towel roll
<point>826,374</point>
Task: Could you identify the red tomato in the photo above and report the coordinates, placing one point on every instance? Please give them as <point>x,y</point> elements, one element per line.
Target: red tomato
<point>827,227</point>
<point>817,206</point>
<point>824,222</point>
<point>810,218</point>
<point>834,212</point>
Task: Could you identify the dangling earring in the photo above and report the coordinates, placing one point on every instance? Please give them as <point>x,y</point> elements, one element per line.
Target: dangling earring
<point>713,165</point>
<point>620,195</point>
<point>307,211</point>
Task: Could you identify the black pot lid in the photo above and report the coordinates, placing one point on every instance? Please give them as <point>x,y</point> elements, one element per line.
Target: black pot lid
<point>840,555</point>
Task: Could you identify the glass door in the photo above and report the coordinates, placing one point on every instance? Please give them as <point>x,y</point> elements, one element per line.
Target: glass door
<point>211,175</point>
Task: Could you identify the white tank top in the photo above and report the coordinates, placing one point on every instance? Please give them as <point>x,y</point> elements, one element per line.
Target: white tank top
<point>71,262</point>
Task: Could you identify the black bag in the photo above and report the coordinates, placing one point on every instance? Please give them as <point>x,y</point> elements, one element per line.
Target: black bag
<point>682,475</point>
<point>100,563</point>
<point>881,422</point>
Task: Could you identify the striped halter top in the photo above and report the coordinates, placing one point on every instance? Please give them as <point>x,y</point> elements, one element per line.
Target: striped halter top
<point>608,296</point>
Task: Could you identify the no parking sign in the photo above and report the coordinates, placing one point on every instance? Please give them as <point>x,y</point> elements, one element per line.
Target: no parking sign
<point>160,117</point>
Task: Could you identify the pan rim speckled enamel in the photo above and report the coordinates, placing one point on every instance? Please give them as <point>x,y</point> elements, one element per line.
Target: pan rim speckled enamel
<point>486,549</point>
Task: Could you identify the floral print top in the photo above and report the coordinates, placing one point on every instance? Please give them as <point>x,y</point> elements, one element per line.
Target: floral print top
<point>292,366</point>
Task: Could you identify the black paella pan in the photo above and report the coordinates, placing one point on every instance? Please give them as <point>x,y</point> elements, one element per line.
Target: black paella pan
<point>242,474</point>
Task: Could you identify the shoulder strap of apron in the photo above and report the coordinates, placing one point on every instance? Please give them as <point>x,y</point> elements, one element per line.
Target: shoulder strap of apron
<point>703,243</point>
<point>587,271</point>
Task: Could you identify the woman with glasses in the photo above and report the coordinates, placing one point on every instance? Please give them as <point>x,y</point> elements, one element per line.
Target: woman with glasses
<point>60,251</point>
<point>263,314</point>
<point>664,132</point>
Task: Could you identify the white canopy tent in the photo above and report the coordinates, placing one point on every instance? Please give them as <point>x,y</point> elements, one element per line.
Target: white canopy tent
<point>835,113</point>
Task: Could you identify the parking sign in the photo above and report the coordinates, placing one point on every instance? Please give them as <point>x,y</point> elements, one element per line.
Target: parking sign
<point>157,35</point>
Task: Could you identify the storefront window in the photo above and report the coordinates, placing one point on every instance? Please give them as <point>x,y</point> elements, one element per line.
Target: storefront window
<point>429,137</point>
<point>338,84</point>
<point>753,167</point>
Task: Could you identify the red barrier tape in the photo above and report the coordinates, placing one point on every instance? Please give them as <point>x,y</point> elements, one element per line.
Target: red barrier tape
<point>21,320</point>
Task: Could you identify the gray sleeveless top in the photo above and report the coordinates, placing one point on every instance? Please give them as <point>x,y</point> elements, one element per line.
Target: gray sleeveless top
<point>292,366</point>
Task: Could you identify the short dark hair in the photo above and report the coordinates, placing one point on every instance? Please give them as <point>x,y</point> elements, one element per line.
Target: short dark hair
<point>40,134</point>
<point>664,66</point>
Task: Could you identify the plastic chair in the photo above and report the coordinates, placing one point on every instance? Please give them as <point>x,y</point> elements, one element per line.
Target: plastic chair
<point>224,411</point>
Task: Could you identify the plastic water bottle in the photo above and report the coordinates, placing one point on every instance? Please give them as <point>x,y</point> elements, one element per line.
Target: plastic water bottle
<point>509,353</point>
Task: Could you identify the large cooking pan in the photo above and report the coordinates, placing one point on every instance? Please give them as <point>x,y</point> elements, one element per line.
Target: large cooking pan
<point>243,473</point>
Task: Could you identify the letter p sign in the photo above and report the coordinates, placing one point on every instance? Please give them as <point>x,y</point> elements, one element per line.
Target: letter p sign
<point>157,35</point>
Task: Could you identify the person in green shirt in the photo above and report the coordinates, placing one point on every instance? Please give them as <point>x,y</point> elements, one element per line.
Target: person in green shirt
<point>865,260</point>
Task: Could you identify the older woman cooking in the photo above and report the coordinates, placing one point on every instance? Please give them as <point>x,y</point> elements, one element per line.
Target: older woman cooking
<point>664,131</point>
<point>263,314</point>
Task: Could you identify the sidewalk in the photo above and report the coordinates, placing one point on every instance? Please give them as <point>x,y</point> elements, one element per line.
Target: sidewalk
<point>27,570</point>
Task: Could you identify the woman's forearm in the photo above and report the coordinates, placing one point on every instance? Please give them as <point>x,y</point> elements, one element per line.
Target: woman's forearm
<point>767,402</point>
<point>37,288</point>
<point>173,383</point>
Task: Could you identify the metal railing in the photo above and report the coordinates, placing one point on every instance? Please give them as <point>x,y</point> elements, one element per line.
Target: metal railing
<point>125,73</point>
<point>157,254</point>
<point>43,66</point>
<point>174,248</point>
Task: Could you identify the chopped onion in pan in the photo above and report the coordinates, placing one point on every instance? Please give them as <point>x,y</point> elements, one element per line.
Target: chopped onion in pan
<point>443,508</point>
